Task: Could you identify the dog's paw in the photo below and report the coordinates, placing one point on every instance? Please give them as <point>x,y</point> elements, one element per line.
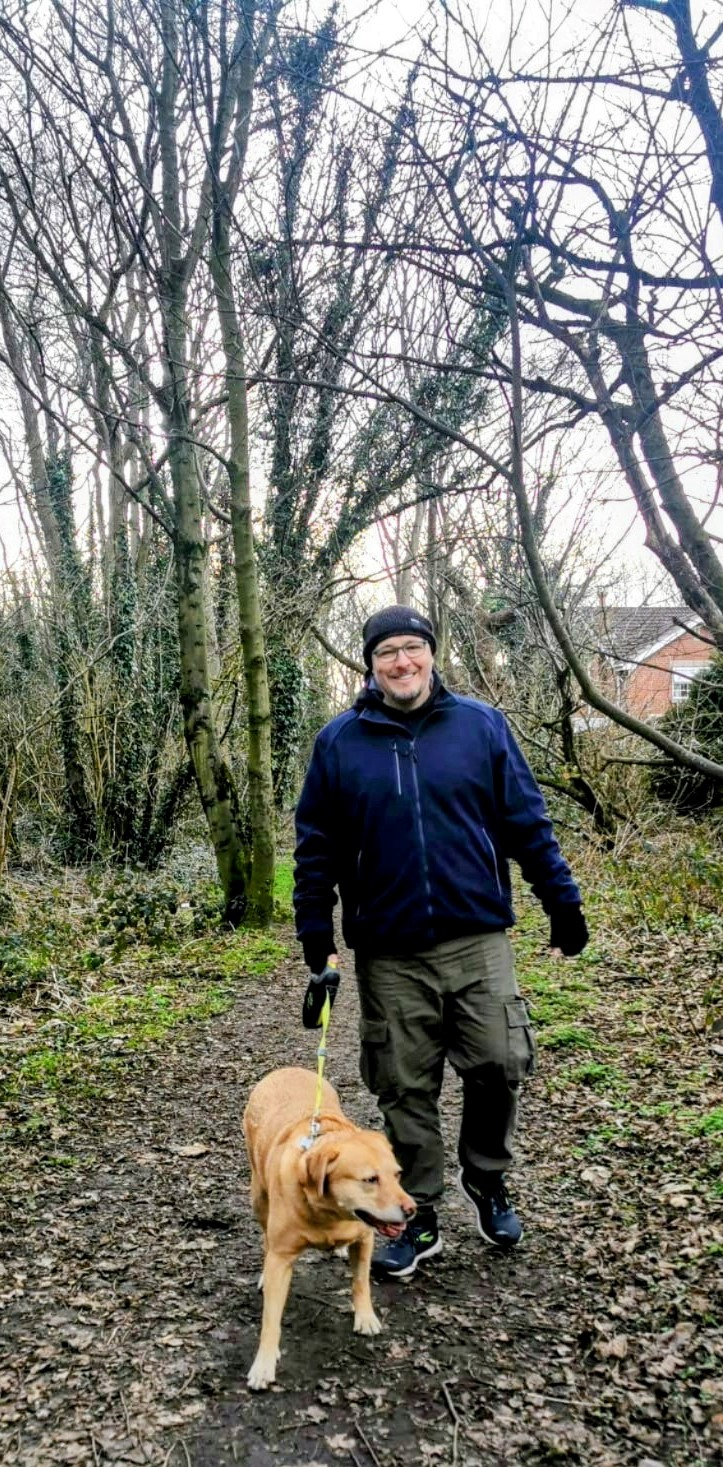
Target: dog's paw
<point>367,1324</point>
<point>262,1373</point>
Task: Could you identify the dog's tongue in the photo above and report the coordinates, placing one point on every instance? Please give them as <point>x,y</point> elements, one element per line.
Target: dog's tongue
<point>389,1230</point>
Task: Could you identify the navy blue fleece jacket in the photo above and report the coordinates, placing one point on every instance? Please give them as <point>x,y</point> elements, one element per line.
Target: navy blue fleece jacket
<point>414,826</point>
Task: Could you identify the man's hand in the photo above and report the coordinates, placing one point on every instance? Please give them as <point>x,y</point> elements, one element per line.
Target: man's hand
<point>320,984</point>
<point>568,930</point>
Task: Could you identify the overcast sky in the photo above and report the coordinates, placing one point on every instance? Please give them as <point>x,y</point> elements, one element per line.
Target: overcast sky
<point>388,34</point>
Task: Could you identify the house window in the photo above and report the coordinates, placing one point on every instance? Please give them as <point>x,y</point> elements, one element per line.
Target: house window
<point>682,677</point>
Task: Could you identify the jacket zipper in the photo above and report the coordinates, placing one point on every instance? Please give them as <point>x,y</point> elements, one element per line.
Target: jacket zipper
<point>358,881</point>
<point>396,765</point>
<point>420,826</point>
<point>493,854</point>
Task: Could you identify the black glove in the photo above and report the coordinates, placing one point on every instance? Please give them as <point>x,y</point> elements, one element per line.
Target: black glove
<point>316,951</point>
<point>320,985</point>
<point>568,929</point>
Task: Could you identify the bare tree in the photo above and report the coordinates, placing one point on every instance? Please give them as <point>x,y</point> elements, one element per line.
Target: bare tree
<point>576,195</point>
<point>135,120</point>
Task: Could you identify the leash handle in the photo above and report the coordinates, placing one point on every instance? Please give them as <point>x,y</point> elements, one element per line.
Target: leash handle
<point>322,986</point>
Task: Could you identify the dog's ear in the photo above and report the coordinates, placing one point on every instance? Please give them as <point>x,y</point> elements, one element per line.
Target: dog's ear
<point>319,1158</point>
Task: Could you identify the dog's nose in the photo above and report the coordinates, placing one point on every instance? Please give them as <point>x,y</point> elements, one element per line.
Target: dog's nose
<point>409,1207</point>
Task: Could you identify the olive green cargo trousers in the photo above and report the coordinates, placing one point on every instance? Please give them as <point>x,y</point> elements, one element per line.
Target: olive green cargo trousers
<point>458,1001</point>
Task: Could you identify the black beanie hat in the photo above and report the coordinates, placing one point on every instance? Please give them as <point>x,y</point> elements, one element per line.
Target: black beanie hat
<point>394,621</point>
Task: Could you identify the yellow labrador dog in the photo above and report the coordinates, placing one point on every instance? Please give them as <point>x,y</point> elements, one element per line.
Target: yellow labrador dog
<point>334,1192</point>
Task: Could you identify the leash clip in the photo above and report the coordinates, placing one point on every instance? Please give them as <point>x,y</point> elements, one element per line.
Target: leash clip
<point>308,1141</point>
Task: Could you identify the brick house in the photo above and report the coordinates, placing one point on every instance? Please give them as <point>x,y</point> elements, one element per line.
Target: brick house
<point>645,657</point>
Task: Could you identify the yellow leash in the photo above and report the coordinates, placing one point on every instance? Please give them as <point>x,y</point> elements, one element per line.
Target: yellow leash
<point>320,1062</point>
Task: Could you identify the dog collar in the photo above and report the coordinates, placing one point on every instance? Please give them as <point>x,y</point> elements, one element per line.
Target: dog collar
<point>314,1131</point>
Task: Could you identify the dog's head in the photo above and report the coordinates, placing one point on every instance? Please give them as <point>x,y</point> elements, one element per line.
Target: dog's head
<point>359,1175</point>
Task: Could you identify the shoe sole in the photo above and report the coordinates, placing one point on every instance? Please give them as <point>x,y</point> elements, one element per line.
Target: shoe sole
<point>406,1273</point>
<point>494,1242</point>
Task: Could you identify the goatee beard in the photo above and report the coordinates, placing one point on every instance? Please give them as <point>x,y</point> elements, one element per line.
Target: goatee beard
<point>401,700</point>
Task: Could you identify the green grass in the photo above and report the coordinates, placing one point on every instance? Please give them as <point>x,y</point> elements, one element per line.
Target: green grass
<point>560,1001</point>
<point>567,1036</point>
<point>708,1125</point>
<point>598,1076</point>
<point>597,1142</point>
<point>141,1003</point>
<point>283,888</point>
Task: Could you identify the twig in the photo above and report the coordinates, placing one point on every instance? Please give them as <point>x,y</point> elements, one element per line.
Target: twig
<point>186,1383</point>
<point>179,1442</point>
<point>129,1428</point>
<point>355,1459</point>
<point>95,1454</point>
<point>334,652</point>
<point>360,1429</point>
<point>455,1417</point>
<point>326,1302</point>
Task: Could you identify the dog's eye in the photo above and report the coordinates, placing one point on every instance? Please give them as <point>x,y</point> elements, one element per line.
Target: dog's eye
<point>371,1181</point>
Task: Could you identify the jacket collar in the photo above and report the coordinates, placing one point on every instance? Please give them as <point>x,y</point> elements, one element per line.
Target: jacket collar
<point>370,703</point>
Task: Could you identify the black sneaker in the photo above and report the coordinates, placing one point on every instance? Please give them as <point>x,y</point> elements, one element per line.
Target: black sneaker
<point>399,1258</point>
<point>497,1221</point>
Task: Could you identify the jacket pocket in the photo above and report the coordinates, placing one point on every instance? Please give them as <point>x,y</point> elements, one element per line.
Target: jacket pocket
<point>521,1045</point>
<point>376,1061</point>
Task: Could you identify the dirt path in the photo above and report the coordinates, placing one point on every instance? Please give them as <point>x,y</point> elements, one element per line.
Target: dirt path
<point>130,1313</point>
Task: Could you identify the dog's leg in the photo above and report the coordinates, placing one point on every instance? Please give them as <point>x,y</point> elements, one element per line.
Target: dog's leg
<point>366,1321</point>
<point>277,1277</point>
<point>260,1205</point>
<point>259,1201</point>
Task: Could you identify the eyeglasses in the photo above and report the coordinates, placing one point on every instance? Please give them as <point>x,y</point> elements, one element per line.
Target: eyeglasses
<point>413,650</point>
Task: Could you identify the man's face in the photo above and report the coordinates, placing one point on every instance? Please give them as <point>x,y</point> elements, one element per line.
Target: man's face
<point>402,668</point>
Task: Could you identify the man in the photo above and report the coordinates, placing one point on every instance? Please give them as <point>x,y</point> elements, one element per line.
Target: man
<point>413,802</point>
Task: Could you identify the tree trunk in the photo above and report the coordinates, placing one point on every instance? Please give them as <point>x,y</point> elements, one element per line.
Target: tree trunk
<point>261,790</point>
<point>213,777</point>
<point>51,500</point>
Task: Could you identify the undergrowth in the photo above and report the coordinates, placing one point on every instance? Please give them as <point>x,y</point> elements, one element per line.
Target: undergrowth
<point>648,987</point>
<point>95,969</point>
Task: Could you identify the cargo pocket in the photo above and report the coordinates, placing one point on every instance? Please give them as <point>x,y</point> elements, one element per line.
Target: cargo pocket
<point>376,1061</point>
<point>521,1046</point>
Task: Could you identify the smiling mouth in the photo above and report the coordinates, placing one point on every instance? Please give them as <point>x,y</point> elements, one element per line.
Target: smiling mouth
<point>386,1229</point>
